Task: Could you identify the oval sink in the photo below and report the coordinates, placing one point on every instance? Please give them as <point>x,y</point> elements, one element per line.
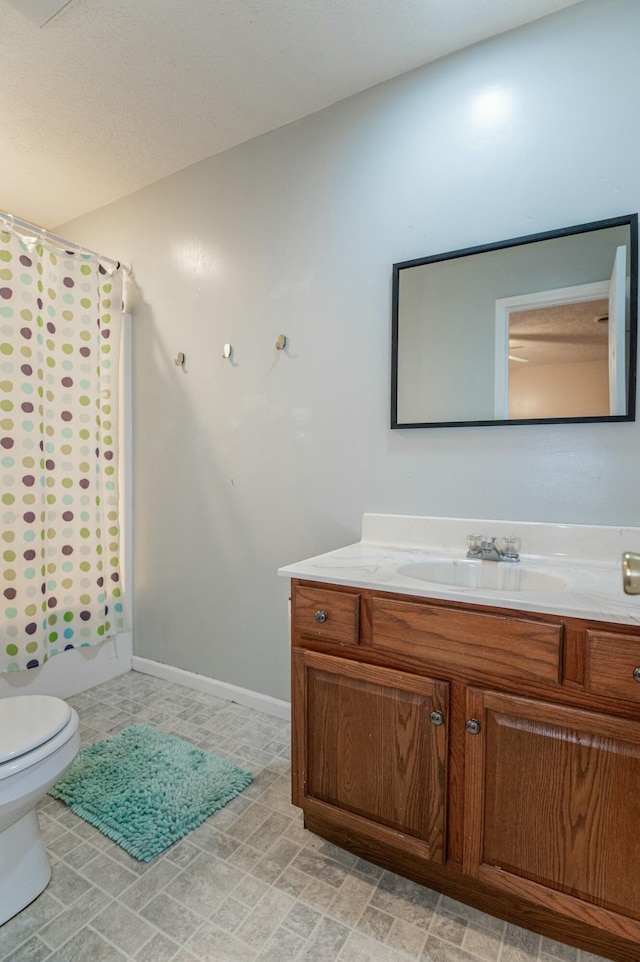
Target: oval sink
<point>491,576</point>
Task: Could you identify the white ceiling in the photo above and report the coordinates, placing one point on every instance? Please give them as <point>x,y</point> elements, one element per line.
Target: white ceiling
<point>108,97</point>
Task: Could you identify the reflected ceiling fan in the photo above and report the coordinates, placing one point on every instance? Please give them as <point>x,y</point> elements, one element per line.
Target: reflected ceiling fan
<point>513,357</point>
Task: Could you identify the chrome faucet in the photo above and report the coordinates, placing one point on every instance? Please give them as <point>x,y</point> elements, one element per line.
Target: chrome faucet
<point>484,549</point>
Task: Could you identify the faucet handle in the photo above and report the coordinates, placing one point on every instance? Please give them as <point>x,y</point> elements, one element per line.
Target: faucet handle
<point>474,544</point>
<point>510,548</point>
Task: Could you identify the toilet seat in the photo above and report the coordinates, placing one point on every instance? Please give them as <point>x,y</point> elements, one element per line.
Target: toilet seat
<point>32,727</point>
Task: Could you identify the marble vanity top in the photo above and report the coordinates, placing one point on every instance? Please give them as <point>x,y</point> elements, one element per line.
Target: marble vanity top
<point>583,563</point>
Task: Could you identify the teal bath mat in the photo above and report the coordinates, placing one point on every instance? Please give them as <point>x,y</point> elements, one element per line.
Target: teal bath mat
<point>145,789</point>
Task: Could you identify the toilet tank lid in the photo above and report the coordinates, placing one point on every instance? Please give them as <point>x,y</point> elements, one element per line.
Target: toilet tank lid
<point>27,721</point>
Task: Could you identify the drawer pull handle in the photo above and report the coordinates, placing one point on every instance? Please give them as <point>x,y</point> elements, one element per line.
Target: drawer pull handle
<point>636,674</point>
<point>436,718</point>
<point>473,726</point>
<point>321,616</point>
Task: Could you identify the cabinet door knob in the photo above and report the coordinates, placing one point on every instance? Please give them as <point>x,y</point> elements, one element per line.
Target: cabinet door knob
<point>321,616</point>
<point>473,726</point>
<point>636,674</point>
<point>436,718</point>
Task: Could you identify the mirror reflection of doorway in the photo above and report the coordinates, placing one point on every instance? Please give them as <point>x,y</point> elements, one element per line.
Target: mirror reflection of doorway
<point>561,353</point>
<point>559,361</point>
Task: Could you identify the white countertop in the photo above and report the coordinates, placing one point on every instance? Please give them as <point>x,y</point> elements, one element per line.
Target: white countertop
<point>587,558</point>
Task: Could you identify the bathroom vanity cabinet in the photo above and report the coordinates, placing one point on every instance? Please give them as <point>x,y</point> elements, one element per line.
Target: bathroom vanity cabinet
<point>489,753</point>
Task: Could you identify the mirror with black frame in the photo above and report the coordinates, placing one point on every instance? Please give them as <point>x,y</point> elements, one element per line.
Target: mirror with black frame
<point>534,329</point>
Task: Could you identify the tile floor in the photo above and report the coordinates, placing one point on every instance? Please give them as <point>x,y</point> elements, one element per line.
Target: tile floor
<point>250,884</point>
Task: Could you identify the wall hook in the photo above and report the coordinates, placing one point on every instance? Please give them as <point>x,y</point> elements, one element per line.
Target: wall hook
<point>179,360</point>
<point>281,343</point>
<point>226,351</point>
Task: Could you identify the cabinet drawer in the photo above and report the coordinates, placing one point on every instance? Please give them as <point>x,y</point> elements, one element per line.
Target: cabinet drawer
<point>326,615</point>
<point>611,662</point>
<point>469,641</point>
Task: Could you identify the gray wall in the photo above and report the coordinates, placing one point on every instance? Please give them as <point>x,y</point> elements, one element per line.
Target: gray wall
<point>241,467</point>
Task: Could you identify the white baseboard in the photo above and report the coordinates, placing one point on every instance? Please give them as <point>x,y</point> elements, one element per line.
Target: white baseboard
<point>73,671</point>
<point>221,689</point>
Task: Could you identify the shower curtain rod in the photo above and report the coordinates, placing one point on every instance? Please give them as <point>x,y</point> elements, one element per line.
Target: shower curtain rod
<point>59,241</point>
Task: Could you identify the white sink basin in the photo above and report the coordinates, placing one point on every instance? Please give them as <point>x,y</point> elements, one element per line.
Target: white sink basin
<point>489,575</point>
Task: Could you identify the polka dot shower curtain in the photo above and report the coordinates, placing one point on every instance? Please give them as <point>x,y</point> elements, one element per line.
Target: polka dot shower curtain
<point>60,326</point>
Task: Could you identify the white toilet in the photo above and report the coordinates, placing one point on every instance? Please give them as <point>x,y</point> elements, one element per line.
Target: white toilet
<point>39,739</point>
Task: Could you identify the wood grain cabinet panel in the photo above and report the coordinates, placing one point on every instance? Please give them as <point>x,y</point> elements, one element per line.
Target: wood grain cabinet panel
<point>552,795</point>
<point>370,749</point>
<point>611,662</point>
<point>324,615</point>
<point>468,641</point>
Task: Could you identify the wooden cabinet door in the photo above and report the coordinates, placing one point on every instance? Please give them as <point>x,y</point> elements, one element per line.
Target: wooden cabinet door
<point>366,753</point>
<point>552,802</point>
